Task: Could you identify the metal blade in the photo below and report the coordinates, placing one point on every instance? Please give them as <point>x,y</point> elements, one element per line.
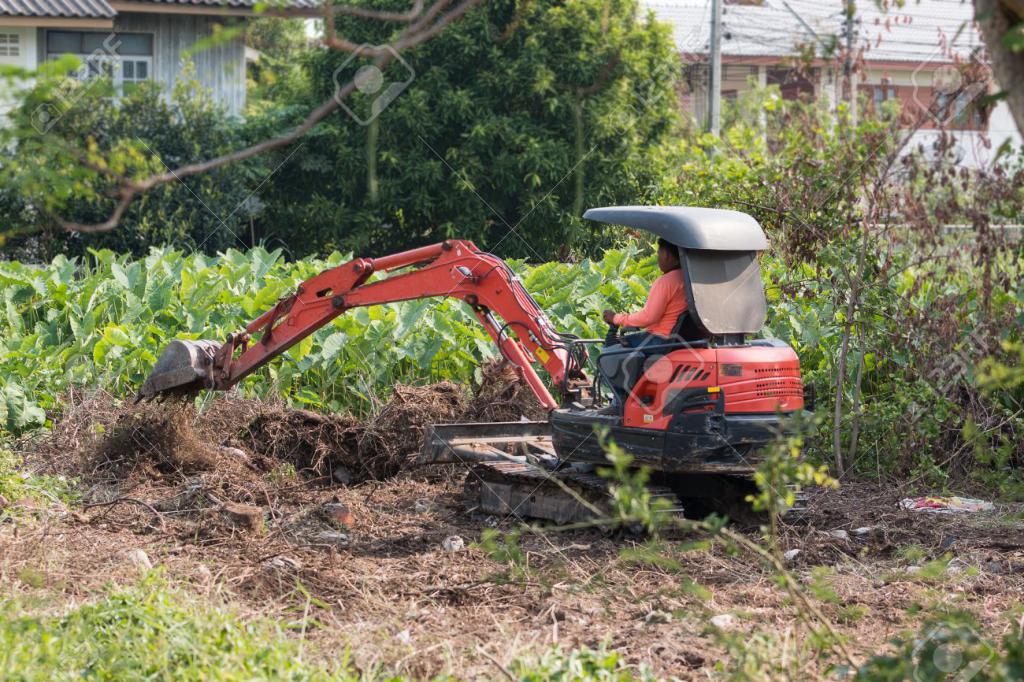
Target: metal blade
<point>184,367</point>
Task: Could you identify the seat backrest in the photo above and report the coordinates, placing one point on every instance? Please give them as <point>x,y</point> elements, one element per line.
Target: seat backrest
<point>687,329</point>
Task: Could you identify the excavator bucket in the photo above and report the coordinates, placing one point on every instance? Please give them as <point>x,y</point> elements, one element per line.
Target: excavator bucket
<point>184,367</point>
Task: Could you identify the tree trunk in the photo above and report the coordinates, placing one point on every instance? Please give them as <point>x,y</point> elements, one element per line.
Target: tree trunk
<point>996,18</point>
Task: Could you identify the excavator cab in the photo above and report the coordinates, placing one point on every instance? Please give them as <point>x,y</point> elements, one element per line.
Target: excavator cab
<point>712,396</point>
<point>725,294</point>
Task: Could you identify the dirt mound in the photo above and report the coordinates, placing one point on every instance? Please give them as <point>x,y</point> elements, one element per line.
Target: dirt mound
<point>314,443</point>
<point>147,436</point>
<point>347,450</point>
<point>502,396</point>
<point>396,432</point>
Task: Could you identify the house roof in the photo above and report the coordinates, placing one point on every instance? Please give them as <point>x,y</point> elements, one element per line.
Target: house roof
<point>95,9</point>
<point>244,4</point>
<point>102,9</point>
<point>773,28</point>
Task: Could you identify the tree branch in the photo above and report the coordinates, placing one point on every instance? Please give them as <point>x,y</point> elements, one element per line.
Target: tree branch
<point>430,24</point>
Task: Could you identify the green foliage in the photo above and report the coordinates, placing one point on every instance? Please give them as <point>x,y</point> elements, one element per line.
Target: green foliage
<point>521,114</point>
<point>68,167</point>
<point>950,646</point>
<point>103,320</point>
<point>782,473</point>
<point>149,632</point>
<point>582,665</point>
<point>632,505</point>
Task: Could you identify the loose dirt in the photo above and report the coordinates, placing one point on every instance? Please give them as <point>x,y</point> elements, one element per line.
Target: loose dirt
<point>245,502</point>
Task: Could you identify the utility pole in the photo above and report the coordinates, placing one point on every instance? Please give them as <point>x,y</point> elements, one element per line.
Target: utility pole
<point>848,70</point>
<point>715,69</point>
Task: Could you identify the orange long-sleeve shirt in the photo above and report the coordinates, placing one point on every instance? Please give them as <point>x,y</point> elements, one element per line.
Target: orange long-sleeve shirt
<point>665,303</point>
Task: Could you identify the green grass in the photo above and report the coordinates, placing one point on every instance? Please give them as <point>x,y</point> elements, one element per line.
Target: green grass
<point>154,631</point>
<point>18,485</point>
<point>150,631</point>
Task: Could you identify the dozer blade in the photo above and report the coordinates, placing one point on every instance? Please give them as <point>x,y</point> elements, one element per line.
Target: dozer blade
<point>483,442</point>
<point>184,367</point>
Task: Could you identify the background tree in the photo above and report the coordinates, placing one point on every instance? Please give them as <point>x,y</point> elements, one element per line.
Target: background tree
<point>519,116</point>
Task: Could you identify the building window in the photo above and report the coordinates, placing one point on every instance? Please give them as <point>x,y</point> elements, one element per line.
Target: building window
<point>961,110</point>
<point>10,45</point>
<point>125,58</point>
<point>882,94</point>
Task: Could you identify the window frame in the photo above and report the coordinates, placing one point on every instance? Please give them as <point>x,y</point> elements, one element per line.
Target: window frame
<point>111,61</point>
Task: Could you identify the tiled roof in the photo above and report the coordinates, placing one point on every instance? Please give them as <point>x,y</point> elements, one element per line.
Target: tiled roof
<point>96,9</point>
<point>774,27</point>
<point>100,9</point>
<point>291,4</point>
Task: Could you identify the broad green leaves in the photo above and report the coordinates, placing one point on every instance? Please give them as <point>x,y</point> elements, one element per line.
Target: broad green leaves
<point>105,321</point>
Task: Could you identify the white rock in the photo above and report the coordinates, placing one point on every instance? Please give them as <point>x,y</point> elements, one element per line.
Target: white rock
<point>723,621</point>
<point>405,637</point>
<point>237,453</point>
<point>913,569</point>
<point>140,560</point>
<point>332,537</point>
<point>955,566</point>
<point>791,554</point>
<point>657,616</point>
<point>839,534</point>
<point>285,563</point>
<point>453,543</point>
<point>863,530</point>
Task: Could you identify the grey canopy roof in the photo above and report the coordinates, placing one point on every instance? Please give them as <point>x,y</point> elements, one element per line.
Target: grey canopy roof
<point>712,229</point>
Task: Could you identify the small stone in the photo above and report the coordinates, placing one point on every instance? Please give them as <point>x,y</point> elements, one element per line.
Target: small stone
<point>235,453</point>
<point>332,537</point>
<point>342,475</point>
<point>911,570</point>
<point>723,621</point>
<point>284,563</point>
<point>337,513</point>
<point>839,534</point>
<point>140,560</point>
<point>421,506</point>
<point>453,543</point>
<point>863,530</point>
<point>405,637</point>
<point>956,566</point>
<point>655,617</point>
<point>204,574</point>
<point>243,515</point>
<point>791,554</point>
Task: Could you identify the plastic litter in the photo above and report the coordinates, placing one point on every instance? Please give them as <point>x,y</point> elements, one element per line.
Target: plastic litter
<point>945,504</point>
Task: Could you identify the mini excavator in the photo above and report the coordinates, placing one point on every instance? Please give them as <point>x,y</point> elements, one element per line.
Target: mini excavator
<point>699,410</point>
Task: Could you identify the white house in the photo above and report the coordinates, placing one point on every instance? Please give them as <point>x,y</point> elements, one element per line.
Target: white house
<point>134,40</point>
<point>907,53</point>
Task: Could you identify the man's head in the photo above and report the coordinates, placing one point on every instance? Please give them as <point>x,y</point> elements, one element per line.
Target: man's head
<point>668,256</point>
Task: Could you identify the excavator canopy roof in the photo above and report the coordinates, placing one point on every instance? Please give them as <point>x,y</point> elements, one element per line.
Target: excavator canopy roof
<point>689,227</point>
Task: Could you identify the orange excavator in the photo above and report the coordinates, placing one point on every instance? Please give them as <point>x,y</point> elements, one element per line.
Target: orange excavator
<point>698,410</point>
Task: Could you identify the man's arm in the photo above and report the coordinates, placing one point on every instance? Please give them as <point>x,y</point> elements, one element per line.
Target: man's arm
<point>652,312</point>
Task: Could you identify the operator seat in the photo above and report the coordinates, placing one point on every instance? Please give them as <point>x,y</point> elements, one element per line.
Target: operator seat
<point>623,367</point>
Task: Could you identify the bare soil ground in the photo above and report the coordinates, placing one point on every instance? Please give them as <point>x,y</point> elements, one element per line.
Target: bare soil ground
<point>246,503</point>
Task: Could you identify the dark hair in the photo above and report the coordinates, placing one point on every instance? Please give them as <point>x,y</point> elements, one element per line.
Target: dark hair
<point>668,246</point>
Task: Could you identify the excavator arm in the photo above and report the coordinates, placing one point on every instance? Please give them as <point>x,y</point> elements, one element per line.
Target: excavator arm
<point>454,268</point>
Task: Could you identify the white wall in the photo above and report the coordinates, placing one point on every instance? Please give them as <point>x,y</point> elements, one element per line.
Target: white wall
<point>27,59</point>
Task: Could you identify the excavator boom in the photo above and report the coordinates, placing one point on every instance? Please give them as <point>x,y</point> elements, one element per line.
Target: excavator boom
<point>454,268</point>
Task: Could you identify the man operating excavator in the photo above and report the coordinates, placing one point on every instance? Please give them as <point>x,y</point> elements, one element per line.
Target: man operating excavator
<point>665,303</point>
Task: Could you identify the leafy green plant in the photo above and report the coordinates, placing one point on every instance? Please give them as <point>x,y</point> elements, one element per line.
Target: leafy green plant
<point>582,665</point>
